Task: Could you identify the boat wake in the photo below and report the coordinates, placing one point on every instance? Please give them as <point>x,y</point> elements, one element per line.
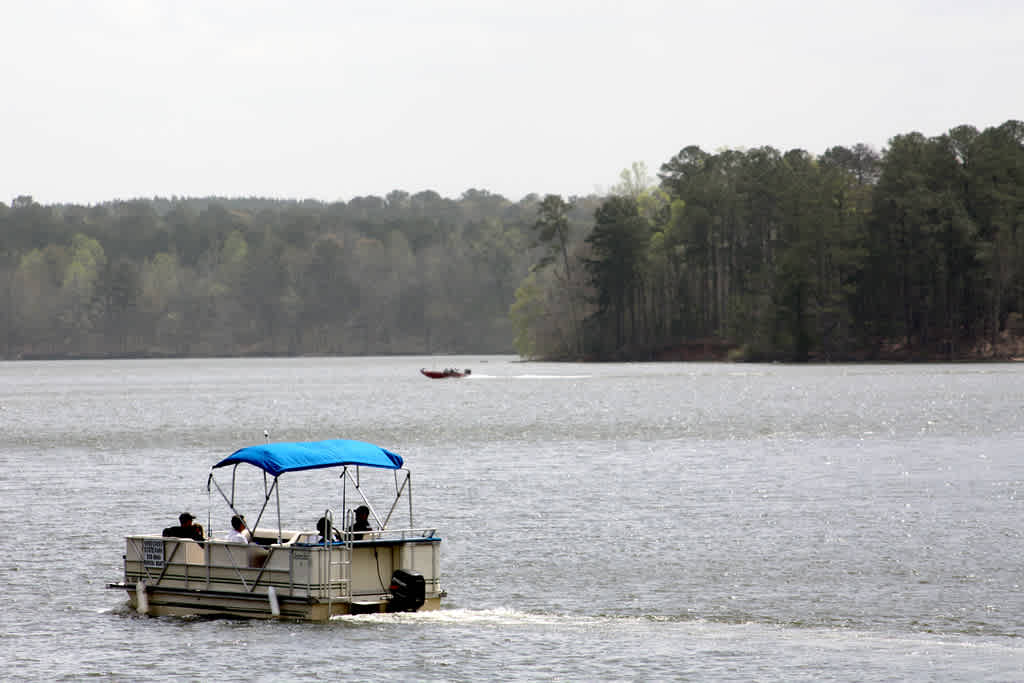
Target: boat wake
<point>500,616</point>
<point>690,626</point>
<point>480,376</point>
<point>506,616</point>
<point>553,376</point>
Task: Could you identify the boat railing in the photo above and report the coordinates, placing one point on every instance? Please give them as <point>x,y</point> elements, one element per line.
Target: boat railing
<point>234,567</point>
<point>295,568</point>
<point>406,534</point>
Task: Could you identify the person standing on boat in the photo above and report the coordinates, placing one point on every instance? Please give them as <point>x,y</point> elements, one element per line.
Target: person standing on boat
<point>238,533</point>
<point>362,522</point>
<point>185,528</point>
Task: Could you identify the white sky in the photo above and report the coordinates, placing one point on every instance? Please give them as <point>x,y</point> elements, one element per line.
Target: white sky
<point>330,100</point>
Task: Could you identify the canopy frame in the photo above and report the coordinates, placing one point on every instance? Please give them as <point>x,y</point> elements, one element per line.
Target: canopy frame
<point>276,459</point>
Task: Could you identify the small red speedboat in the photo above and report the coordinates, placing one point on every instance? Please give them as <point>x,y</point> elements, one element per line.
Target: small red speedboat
<point>446,373</point>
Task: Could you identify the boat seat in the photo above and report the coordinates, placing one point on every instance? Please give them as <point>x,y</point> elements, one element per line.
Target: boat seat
<point>269,538</point>
<point>189,551</point>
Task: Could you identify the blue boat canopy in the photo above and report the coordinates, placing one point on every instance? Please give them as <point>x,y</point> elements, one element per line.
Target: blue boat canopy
<point>278,458</point>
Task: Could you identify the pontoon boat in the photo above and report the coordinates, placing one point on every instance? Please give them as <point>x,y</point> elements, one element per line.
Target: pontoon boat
<point>292,573</point>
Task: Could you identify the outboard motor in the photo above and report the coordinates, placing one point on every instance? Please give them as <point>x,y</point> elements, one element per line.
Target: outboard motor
<point>408,591</point>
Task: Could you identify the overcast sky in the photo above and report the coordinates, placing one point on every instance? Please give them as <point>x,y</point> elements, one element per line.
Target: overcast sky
<point>330,100</point>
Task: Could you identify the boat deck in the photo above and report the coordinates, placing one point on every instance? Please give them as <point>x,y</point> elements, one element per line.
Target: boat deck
<point>306,580</point>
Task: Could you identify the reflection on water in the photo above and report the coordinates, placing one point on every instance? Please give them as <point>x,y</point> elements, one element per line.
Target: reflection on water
<point>654,521</point>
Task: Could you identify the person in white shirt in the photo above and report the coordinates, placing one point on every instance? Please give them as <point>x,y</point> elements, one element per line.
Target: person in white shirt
<point>238,533</point>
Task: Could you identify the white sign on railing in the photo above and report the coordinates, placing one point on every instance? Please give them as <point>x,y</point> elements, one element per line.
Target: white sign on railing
<point>153,554</point>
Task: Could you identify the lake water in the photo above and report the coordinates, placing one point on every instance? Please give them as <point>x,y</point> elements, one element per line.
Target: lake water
<point>704,522</point>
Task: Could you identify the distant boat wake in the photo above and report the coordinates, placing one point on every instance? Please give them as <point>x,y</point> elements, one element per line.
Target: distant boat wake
<point>553,376</point>
<point>481,376</point>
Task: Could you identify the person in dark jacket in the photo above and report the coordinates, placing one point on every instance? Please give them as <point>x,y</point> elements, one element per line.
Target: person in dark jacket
<point>362,522</point>
<point>321,526</point>
<point>185,528</point>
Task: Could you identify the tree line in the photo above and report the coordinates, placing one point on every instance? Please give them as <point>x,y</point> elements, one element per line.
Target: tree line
<point>216,276</point>
<point>916,251</point>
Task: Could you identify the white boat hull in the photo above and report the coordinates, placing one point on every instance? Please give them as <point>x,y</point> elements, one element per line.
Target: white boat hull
<point>290,580</point>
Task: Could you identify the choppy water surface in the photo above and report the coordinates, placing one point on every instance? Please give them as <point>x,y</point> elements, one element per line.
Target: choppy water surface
<point>602,522</point>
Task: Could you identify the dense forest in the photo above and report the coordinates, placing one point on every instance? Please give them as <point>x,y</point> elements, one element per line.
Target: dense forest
<point>399,274</point>
<point>915,251</point>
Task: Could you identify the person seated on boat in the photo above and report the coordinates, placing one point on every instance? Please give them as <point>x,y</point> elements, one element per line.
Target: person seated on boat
<point>238,533</point>
<point>185,528</point>
<point>362,522</point>
<point>321,526</point>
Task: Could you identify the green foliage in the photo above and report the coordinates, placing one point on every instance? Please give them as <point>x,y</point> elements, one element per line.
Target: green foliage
<point>410,274</point>
<point>620,244</point>
<point>553,231</point>
<point>527,315</point>
<point>915,251</point>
